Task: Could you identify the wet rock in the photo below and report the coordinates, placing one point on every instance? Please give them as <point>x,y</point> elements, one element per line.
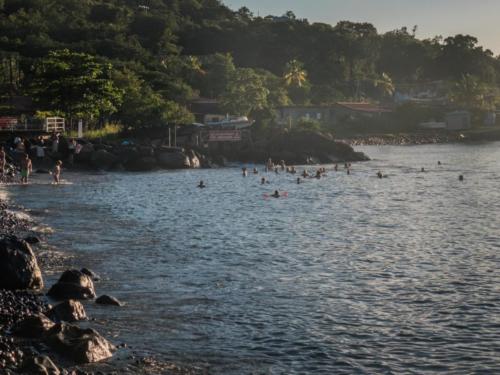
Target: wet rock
<point>73,284</point>
<point>78,344</point>
<point>108,300</point>
<point>18,265</point>
<point>90,273</point>
<point>32,240</point>
<point>40,365</point>
<point>35,326</point>
<point>67,311</point>
<point>173,160</point>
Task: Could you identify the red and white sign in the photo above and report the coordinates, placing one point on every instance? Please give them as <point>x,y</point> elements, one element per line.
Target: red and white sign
<point>7,122</point>
<point>224,136</point>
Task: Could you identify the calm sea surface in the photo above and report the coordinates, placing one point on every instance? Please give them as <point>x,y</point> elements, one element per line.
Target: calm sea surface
<point>348,274</point>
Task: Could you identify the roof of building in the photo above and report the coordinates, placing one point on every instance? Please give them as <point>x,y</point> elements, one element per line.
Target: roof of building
<point>363,107</point>
<point>204,106</point>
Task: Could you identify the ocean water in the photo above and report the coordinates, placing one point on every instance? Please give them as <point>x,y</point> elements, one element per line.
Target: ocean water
<point>347,274</point>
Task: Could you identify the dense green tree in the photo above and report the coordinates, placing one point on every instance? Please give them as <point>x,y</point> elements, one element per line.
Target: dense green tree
<point>75,84</point>
<point>245,92</point>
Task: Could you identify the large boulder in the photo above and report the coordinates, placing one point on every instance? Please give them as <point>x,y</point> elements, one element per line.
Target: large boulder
<point>39,365</point>
<point>73,284</point>
<point>108,300</point>
<point>67,311</point>
<point>173,160</point>
<point>78,344</point>
<point>103,159</point>
<point>85,154</point>
<point>141,164</point>
<point>34,326</point>
<point>18,265</point>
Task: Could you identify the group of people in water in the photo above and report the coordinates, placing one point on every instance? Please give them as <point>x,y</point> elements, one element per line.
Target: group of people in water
<point>318,173</point>
<point>16,158</point>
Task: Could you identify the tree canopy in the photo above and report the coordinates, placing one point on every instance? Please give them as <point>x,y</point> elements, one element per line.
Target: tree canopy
<point>142,62</point>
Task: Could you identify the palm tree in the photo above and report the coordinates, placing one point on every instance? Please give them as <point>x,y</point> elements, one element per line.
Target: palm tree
<point>295,75</point>
<point>469,92</point>
<point>386,85</point>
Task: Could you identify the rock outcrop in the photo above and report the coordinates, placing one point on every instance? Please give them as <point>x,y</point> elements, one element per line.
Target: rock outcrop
<point>78,344</point>
<point>108,300</point>
<point>67,311</point>
<point>18,265</point>
<point>73,284</point>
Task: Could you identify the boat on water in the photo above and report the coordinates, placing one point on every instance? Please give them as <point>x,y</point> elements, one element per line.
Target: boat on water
<point>231,122</point>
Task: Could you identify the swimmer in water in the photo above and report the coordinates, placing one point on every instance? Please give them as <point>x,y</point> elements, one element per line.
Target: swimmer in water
<point>318,174</point>
<point>305,174</point>
<point>244,172</point>
<point>255,171</point>
<point>276,170</point>
<point>460,178</point>
<point>336,167</point>
<point>379,174</point>
<point>348,171</point>
<point>262,180</point>
<point>298,180</point>
<point>276,194</point>
<point>202,185</point>
<point>422,169</point>
<point>439,162</point>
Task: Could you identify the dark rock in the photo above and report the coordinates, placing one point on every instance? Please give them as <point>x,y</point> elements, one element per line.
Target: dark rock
<point>108,300</point>
<point>67,311</point>
<point>73,284</point>
<point>35,326</point>
<point>32,240</point>
<point>103,159</point>
<point>141,164</point>
<point>90,273</point>
<point>18,265</point>
<point>80,345</point>
<point>173,160</point>
<point>40,365</point>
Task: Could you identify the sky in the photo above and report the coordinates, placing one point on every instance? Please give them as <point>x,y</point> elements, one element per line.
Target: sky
<point>480,18</point>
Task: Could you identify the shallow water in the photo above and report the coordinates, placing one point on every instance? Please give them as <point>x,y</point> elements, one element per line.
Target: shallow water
<point>348,274</point>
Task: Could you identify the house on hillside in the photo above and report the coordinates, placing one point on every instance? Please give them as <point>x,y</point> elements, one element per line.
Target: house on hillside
<point>328,114</point>
<point>206,110</point>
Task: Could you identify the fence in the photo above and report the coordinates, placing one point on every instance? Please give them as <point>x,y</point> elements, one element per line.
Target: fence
<point>49,125</point>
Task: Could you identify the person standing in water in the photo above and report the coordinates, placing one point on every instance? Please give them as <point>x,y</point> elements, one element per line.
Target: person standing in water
<point>56,173</point>
<point>202,185</point>
<point>26,168</point>
<point>244,172</point>
<point>2,162</point>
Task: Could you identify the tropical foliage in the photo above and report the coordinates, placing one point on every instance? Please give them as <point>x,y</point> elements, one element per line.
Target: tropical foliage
<point>140,63</point>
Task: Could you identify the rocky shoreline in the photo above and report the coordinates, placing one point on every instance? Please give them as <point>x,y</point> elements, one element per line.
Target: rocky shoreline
<point>39,338</point>
<point>403,139</point>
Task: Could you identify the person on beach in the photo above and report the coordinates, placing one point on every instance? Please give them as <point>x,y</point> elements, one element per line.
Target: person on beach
<point>56,173</point>
<point>202,185</point>
<point>26,168</point>
<point>2,162</point>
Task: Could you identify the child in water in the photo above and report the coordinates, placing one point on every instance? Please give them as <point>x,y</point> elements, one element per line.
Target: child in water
<point>56,174</point>
<point>26,168</point>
